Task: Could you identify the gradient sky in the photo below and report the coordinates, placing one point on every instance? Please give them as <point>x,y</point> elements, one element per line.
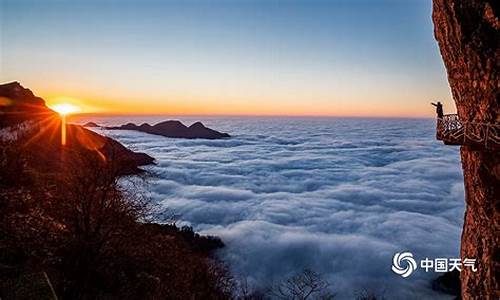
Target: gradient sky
<point>350,58</point>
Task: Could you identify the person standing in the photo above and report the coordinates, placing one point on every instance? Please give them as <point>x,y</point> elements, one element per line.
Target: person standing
<point>439,109</point>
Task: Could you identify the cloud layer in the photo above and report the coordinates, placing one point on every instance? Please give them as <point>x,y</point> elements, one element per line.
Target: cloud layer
<point>339,196</point>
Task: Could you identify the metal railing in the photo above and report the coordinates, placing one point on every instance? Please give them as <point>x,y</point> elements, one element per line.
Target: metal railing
<point>453,131</point>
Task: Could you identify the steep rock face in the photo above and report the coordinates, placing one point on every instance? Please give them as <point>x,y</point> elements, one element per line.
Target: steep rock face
<point>468,33</point>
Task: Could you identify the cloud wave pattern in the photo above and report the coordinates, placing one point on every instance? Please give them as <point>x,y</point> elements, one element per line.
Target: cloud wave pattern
<point>337,195</point>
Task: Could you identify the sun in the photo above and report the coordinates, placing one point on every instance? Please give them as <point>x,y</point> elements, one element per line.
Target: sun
<point>65,108</point>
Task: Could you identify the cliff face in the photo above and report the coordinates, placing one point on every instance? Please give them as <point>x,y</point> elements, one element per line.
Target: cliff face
<point>468,33</point>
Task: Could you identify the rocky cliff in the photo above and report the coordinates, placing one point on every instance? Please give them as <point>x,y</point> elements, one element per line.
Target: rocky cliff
<point>19,104</point>
<point>468,35</point>
<point>70,230</point>
<point>21,110</point>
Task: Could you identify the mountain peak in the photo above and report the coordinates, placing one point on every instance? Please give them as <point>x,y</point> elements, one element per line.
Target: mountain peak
<point>175,129</point>
<point>19,104</point>
<point>12,83</point>
<point>197,125</point>
<point>18,94</point>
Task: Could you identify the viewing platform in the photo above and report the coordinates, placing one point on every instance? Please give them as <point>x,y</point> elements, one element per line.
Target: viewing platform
<point>453,131</point>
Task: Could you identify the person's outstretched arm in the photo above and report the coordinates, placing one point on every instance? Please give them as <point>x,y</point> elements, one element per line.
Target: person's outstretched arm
<point>432,103</point>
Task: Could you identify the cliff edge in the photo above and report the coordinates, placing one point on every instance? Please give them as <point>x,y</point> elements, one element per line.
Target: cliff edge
<point>24,116</point>
<point>468,36</point>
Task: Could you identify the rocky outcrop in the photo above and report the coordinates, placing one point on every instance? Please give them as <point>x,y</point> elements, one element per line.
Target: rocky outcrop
<point>112,150</point>
<point>19,108</point>
<point>20,95</point>
<point>19,104</point>
<point>468,33</point>
<point>175,129</point>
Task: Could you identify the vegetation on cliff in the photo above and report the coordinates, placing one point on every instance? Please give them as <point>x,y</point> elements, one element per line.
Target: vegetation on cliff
<point>65,215</point>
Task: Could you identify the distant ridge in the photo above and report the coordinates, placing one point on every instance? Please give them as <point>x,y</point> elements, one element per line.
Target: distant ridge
<point>90,124</point>
<point>174,129</point>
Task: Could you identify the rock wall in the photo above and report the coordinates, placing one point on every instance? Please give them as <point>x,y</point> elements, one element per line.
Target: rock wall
<point>468,34</point>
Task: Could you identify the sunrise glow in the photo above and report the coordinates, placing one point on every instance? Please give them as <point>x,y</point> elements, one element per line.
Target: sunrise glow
<point>235,59</point>
<point>65,108</point>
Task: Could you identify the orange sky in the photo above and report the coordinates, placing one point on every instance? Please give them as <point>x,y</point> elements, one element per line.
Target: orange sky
<point>346,104</point>
<point>323,59</point>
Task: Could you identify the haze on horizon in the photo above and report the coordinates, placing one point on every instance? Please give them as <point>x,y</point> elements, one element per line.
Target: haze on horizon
<point>339,58</point>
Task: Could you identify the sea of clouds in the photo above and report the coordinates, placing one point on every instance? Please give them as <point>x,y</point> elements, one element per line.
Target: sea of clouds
<point>336,195</point>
